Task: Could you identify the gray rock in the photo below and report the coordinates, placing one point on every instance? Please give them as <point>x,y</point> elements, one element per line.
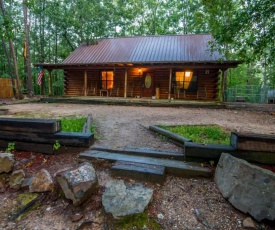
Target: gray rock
<point>247,187</point>
<point>42,182</point>
<point>249,223</point>
<point>122,199</point>
<point>26,183</point>
<point>6,162</point>
<point>16,179</point>
<point>78,183</point>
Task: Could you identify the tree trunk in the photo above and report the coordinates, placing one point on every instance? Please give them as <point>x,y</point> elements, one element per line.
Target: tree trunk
<point>27,50</point>
<point>18,85</point>
<point>42,40</point>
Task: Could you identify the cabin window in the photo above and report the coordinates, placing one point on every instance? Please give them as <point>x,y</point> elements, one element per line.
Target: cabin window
<point>107,79</point>
<point>185,80</point>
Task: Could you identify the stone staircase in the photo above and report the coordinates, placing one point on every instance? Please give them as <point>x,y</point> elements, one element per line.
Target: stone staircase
<point>146,164</point>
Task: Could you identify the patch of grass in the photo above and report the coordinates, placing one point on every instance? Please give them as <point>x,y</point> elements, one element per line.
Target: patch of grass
<point>206,134</point>
<point>74,124</point>
<point>139,221</point>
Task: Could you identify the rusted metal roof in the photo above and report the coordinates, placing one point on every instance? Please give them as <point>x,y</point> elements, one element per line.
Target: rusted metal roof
<point>146,49</point>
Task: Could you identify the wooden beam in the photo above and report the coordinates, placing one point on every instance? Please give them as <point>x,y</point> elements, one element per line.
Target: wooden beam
<point>85,83</point>
<point>64,138</point>
<point>144,65</point>
<point>223,86</point>
<point>30,125</point>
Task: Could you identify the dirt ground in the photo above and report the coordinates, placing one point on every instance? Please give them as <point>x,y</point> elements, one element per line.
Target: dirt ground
<point>174,203</point>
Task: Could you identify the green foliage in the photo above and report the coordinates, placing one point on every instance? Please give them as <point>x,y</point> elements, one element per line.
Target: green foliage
<point>138,222</point>
<point>10,148</point>
<point>206,134</point>
<point>56,145</point>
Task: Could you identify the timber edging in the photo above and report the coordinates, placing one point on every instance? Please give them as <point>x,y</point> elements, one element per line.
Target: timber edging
<point>144,152</point>
<point>41,135</point>
<point>30,125</point>
<point>170,135</point>
<point>258,148</point>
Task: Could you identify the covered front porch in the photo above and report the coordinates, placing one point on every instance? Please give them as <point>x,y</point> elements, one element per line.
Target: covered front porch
<point>189,82</point>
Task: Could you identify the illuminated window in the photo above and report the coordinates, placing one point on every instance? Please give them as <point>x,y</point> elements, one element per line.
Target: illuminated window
<point>183,79</point>
<point>107,79</point>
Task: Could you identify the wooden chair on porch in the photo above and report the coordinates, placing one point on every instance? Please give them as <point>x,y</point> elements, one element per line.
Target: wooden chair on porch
<point>179,92</point>
<point>130,89</point>
<point>114,91</point>
<point>93,89</point>
<point>202,92</point>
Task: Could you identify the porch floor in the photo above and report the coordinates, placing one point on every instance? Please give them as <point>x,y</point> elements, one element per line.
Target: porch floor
<point>133,101</point>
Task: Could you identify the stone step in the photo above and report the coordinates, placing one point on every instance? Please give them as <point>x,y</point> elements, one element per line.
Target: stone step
<point>146,152</point>
<point>152,173</point>
<point>178,168</point>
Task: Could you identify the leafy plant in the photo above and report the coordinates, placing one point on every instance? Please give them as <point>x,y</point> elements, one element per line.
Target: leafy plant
<point>11,147</point>
<point>206,134</point>
<point>56,145</point>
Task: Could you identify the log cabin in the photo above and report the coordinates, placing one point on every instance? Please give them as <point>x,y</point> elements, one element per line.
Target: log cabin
<point>161,67</point>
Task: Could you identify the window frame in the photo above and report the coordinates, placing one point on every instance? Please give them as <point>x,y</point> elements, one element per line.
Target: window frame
<point>192,85</point>
<point>105,82</point>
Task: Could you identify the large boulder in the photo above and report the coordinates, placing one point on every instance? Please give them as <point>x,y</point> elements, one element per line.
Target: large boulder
<point>42,182</point>
<point>247,187</point>
<point>6,162</point>
<point>78,183</point>
<point>122,199</point>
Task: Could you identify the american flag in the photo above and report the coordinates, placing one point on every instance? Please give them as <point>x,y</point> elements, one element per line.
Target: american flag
<point>40,75</point>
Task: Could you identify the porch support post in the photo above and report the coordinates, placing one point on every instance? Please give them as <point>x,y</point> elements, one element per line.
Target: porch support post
<point>85,83</point>
<point>170,83</point>
<point>50,83</point>
<point>223,86</point>
<point>125,82</point>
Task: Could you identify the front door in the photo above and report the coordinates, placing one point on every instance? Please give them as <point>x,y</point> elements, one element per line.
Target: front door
<point>148,85</point>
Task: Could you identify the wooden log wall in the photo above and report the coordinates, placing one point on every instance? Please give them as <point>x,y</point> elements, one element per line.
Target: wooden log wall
<point>73,83</point>
<point>162,81</point>
<point>209,80</point>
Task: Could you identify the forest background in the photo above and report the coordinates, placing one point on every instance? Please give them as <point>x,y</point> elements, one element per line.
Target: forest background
<point>47,31</point>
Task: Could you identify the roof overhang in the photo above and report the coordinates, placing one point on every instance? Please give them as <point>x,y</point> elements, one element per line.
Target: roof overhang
<point>87,66</point>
